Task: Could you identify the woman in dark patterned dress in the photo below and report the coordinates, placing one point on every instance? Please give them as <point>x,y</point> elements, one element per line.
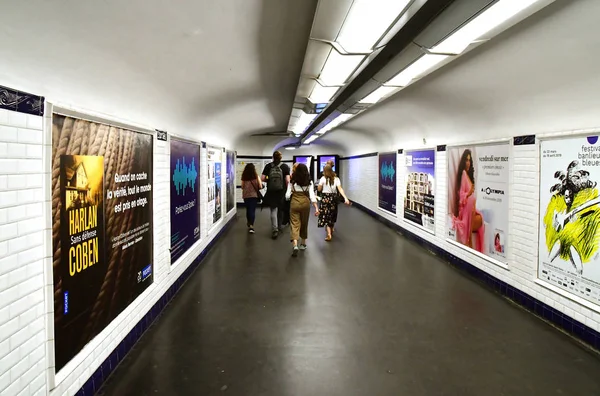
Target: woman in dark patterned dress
<point>330,186</point>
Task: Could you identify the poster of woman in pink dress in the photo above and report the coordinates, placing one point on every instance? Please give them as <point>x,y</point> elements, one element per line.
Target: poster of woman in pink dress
<point>467,220</point>
<point>478,198</point>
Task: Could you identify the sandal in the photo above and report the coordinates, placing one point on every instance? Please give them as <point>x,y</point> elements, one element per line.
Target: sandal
<point>328,238</point>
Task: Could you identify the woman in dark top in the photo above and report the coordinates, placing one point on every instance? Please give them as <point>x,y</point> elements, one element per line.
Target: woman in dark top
<point>251,184</point>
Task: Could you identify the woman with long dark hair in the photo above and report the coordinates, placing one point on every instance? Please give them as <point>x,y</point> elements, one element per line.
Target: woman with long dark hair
<point>466,218</point>
<point>251,185</point>
<point>301,193</point>
<point>329,186</point>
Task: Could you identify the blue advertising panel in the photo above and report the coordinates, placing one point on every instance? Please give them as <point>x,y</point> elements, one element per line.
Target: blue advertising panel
<point>323,161</point>
<point>218,194</point>
<point>387,182</point>
<point>419,200</point>
<point>185,202</point>
<point>230,181</point>
<point>306,160</point>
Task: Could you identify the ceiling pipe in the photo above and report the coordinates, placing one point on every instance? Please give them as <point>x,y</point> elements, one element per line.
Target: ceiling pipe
<point>413,27</point>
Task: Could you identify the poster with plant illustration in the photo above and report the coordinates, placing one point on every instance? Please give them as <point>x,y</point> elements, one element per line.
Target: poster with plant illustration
<point>569,235</point>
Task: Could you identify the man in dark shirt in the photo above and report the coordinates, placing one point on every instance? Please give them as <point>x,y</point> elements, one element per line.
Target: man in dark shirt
<point>277,181</point>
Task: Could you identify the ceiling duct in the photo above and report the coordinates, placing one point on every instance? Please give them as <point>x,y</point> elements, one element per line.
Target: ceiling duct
<point>432,36</point>
<point>421,18</point>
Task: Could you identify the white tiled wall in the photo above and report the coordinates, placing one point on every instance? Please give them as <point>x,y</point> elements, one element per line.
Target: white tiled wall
<point>22,310</point>
<point>26,290</point>
<point>360,180</point>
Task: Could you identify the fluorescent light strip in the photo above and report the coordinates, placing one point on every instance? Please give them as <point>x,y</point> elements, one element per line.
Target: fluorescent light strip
<point>480,25</point>
<point>378,94</point>
<point>367,21</point>
<point>303,122</point>
<point>418,68</point>
<point>335,123</point>
<point>338,68</point>
<point>321,94</point>
<point>311,139</point>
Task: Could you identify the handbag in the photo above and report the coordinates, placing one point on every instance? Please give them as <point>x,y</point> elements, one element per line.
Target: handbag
<point>258,193</point>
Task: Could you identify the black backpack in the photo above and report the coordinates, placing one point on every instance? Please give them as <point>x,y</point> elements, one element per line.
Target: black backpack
<point>275,182</point>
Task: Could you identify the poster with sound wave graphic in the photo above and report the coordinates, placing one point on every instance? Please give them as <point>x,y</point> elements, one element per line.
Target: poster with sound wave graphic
<point>387,182</point>
<point>185,199</point>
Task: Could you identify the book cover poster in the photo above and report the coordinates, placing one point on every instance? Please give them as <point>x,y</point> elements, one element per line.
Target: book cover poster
<point>102,227</point>
<point>185,202</point>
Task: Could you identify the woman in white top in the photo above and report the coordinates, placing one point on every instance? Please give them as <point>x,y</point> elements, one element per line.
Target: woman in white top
<point>330,186</point>
<point>301,193</point>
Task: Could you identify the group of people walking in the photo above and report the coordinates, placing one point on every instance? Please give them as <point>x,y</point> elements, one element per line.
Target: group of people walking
<point>296,187</point>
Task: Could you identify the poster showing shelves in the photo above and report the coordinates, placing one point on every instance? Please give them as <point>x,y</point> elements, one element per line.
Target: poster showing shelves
<point>214,157</point>
<point>419,199</point>
<point>477,214</point>
<point>569,224</point>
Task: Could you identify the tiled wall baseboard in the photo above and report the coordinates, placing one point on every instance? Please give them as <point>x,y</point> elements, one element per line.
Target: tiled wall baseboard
<point>574,328</point>
<point>94,383</point>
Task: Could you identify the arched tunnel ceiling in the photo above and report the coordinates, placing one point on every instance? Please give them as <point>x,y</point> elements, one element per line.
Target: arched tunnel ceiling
<point>539,76</point>
<point>210,69</point>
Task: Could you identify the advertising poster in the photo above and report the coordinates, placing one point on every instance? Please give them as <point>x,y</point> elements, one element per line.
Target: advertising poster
<point>477,215</point>
<point>230,181</point>
<point>570,215</point>
<point>218,195</point>
<point>323,162</point>
<point>214,183</point>
<point>102,227</point>
<point>419,200</point>
<point>259,164</point>
<point>304,160</point>
<point>387,182</point>
<point>185,190</point>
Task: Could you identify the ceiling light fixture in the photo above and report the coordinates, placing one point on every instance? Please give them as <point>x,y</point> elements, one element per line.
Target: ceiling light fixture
<point>378,94</point>
<point>415,70</point>
<point>290,148</point>
<point>338,68</point>
<point>322,94</point>
<point>311,139</point>
<point>480,25</point>
<point>303,122</point>
<point>367,21</point>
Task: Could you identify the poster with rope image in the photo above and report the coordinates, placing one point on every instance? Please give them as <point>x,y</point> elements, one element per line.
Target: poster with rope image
<point>185,194</point>
<point>387,182</point>
<point>569,222</point>
<point>230,181</point>
<point>102,227</point>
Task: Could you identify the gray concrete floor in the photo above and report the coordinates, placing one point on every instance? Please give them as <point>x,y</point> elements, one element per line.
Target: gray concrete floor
<point>367,314</point>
